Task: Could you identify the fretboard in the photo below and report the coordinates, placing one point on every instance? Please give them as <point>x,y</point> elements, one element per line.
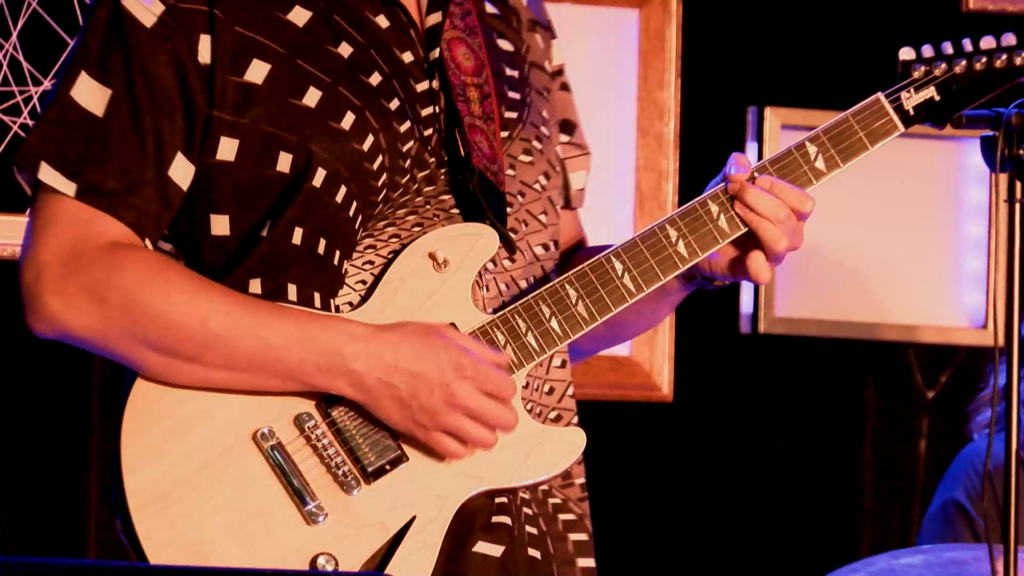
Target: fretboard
<point>556,314</point>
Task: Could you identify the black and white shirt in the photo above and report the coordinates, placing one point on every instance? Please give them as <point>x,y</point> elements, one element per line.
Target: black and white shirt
<point>289,148</point>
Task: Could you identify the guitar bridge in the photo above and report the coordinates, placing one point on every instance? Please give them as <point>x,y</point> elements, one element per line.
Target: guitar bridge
<point>371,447</point>
<point>328,453</point>
<point>290,475</point>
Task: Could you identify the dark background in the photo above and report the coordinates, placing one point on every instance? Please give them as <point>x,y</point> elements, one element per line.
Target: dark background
<point>792,453</point>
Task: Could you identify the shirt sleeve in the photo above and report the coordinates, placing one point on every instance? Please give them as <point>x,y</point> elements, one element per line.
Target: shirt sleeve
<point>122,130</point>
<point>955,513</point>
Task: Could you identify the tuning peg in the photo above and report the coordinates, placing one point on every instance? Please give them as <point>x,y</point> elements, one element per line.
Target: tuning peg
<point>947,48</point>
<point>927,51</point>
<point>987,42</point>
<point>967,45</point>
<point>907,53</point>
<point>1008,40</point>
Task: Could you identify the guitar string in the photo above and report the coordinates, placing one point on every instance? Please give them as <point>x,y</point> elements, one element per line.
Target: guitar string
<point>719,193</point>
<point>656,263</point>
<point>886,114</point>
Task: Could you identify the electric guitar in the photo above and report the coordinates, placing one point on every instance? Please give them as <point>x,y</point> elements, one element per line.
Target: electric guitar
<point>212,478</point>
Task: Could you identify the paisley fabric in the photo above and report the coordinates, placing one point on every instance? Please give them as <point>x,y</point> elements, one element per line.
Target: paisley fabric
<point>472,88</point>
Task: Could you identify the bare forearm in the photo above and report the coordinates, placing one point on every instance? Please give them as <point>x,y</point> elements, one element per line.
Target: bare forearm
<point>170,324</point>
<point>630,322</point>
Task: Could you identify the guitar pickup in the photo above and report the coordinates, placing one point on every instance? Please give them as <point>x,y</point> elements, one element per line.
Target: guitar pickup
<point>289,474</point>
<point>371,447</point>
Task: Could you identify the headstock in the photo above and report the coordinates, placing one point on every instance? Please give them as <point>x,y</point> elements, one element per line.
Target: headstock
<point>937,84</point>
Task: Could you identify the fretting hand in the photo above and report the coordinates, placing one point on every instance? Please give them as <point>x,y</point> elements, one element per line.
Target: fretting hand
<point>775,212</point>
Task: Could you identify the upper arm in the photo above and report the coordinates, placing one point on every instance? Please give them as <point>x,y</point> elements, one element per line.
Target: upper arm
<point>63,235</point>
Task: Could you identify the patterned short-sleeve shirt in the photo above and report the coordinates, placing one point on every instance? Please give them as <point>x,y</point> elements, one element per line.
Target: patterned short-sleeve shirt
<point>288,149</point>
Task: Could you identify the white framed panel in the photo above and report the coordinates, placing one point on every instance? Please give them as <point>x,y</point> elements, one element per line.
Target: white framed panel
<point>904,245</point>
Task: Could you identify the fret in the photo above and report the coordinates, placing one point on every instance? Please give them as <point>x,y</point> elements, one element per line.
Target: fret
<point>521,319</point>
<point>563,320</point>
<point>503,343</point>
<point>723,206</point>
<point>789,166</point>
<point>875,121</point>
<point>604,275</point>
<point>659,252</point>
<point>845,139</point>
<point>681,222</point>
<point>516,340</point>
<point>593,293</point>
<point>672,241</point>
<point>485,336</point>
<point>633,268</point>
<point>819,155</point>
<point>706,229</point>
<point>536,317</point>
<point>588,308</point>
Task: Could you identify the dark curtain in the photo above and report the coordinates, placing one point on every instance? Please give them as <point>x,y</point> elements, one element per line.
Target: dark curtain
<point>796,453</point>
<point>59,420</point>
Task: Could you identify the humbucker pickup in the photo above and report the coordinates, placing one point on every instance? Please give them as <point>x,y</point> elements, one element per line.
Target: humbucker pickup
<point>368,443</point>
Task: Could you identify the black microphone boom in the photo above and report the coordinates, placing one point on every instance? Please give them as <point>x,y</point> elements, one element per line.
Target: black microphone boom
<point>988,120</point>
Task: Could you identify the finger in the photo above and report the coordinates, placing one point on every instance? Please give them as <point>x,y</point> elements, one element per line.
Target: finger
<point>490,355</point>
<point>446,446</point>
<point>488,410</point>
<point>800,203</point>
<point>773,240</point>
<point>736,168</point>
<point>766,205</point>
<point>470,432</point>
<point>499,385</point>
<point>758,268</point>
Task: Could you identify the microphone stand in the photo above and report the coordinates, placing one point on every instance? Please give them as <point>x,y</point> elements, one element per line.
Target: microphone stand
<point>1003,160</point>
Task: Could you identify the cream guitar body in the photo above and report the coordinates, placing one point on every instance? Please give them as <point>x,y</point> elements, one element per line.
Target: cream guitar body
<point>203,488</point>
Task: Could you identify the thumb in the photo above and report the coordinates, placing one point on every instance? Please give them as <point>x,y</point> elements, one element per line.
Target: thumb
<point>736,169</point>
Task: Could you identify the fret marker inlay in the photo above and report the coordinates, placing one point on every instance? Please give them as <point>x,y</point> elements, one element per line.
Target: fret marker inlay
<point>817,159</point>
<point>529,333</point>
<point>680,245</point>
<point>574,299</point>
<point>723,223</point>
<point>623,274</point>
<point>714,209</point>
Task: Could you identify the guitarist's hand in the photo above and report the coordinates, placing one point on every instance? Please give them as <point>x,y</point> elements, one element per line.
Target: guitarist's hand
<point>774,210</point>
<point>439,386</point>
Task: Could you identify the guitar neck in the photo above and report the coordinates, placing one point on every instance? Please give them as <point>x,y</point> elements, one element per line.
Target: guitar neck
<point>558,313</point>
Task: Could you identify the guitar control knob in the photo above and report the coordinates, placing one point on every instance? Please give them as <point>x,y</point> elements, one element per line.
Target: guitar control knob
<point>907,53</point>
<point>987,42</point>
<point>967,45</point>
<point>324,562</point>
<point>947,48</point>
<point>1008,40</point>
<point>441,262</point>
<point>927,51</point>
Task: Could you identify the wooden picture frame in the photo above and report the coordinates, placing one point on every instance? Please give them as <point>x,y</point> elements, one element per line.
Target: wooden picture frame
<point>993,6</point>
<point>647,373</point>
